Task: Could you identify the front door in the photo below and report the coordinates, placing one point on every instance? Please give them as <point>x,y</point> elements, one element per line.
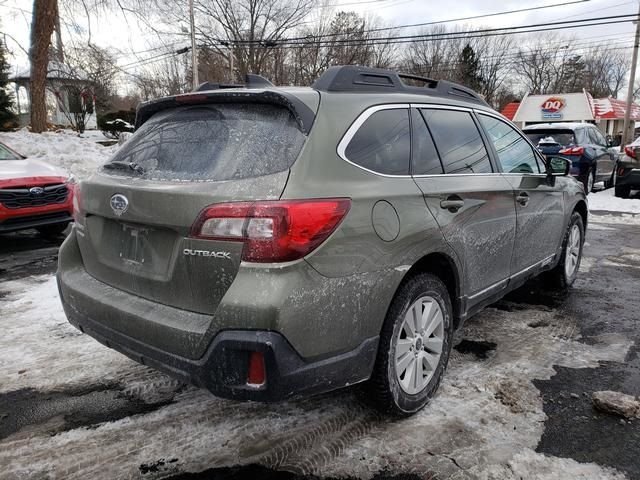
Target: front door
<point>539,202</point>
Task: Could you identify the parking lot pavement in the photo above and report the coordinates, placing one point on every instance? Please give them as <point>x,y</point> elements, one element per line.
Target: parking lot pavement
<point>515,402</point>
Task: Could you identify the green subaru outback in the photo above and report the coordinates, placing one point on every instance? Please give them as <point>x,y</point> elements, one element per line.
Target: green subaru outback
<point>266,242</point>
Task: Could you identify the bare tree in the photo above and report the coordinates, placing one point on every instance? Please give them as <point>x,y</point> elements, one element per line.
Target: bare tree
<point>42,25</point>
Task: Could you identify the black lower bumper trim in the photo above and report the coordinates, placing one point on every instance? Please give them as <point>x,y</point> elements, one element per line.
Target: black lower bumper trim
<point>32,221</point>
<point>223,369</point>
<point>631,179</point>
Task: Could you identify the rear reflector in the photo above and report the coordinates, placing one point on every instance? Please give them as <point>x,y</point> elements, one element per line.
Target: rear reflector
<point>257,374</point>
<point>273,231</point>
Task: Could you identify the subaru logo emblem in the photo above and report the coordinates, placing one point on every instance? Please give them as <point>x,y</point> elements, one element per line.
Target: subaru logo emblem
<point>36,191</point>
<point>119,204</point>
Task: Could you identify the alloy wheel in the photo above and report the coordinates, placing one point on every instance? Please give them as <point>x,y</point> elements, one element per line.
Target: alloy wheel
<point>572,253</point>
<point>419,344</point>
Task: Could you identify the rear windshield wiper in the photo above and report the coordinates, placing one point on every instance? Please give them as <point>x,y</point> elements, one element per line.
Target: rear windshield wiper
<point>118,165</point>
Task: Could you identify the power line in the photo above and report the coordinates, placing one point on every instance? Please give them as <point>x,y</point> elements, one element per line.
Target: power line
<point>398,39</point>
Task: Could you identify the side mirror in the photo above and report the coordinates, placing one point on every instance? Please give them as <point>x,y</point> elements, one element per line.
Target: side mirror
<point>558,166</point>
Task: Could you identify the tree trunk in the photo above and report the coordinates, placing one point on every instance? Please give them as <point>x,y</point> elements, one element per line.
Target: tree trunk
<point>42,25</point>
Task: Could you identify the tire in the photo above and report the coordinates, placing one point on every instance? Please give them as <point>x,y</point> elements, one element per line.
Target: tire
<point>565,272</point>
<point>52,230</point>
<point>622,191</point>
<point>391,391</point>
<point>589,181</point>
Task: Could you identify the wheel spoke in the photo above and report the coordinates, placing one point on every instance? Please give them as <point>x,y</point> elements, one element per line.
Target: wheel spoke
<point>433,345</point>
<point>417,317</point>
<point>417,374</point>
<point>407,381</point>
<point>433,323</point>
<point>402,347</point>
<point>432,360</point>
<point>403,362</point>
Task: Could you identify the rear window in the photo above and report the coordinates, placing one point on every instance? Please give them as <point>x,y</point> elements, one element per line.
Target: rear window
<point>562,137</point>
<point>213,142</point>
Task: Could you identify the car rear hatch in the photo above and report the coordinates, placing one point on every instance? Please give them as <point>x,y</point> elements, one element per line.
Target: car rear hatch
<point>138,211</point>
<point>551,141</point>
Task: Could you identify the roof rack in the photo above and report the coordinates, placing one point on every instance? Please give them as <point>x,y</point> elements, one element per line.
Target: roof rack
<point>251,81</point>
<point>354,78</point>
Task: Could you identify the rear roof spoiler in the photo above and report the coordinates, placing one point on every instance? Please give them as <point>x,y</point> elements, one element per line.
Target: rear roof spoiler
<point>303,115</point>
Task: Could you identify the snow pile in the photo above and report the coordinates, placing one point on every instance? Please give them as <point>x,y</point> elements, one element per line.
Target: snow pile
<point>80,156</point>
<point>606,200</point>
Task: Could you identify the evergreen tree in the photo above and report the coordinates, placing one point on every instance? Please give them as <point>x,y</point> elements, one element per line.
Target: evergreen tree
<point>469,69</point>
<point>8,118</point>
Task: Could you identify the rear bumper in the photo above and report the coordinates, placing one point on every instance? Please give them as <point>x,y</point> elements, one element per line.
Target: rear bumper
<point>223,370</point>
<point>168,338</point>
<point>630,178</point>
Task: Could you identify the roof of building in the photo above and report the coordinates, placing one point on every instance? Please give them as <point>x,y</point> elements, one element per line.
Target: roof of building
<point>510,110</point>
<point>55,71</point>
<point>612,108</point>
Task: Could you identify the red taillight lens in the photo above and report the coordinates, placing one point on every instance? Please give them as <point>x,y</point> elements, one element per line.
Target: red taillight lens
<point>572,151</point>
<point>630,152</point>
<point>257,374</point>
<point>273,231</point>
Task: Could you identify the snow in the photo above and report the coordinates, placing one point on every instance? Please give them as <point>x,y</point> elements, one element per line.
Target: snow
<point>485,422</point>
<point>78,155</point>
<point>605,200</point>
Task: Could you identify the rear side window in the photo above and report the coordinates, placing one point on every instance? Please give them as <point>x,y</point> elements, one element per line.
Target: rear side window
<point>458,141</point>
<point>382,143</point>
<point>514,152</point>
<point>213,142</point>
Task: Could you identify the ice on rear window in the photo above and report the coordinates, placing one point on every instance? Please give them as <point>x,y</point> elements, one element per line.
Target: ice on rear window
<point>213,142</point>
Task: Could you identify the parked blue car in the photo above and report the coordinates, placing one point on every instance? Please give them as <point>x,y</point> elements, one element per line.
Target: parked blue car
<point>592,157</point>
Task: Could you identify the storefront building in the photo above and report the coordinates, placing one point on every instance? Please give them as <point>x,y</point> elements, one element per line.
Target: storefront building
<point>606,113</point>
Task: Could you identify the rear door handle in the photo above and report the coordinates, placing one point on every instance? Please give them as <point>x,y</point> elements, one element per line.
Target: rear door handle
<point>453,203</point>
<point>523,198</point>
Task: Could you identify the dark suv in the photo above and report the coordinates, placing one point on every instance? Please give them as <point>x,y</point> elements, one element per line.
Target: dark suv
<point>592,158</point>
<point>268,242</point>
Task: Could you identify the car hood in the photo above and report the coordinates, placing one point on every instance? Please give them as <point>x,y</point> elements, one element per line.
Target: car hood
<point>28,168</point>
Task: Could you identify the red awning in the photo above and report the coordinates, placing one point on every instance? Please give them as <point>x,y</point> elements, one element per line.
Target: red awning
<point>510,110</point>
<point>612,108</point>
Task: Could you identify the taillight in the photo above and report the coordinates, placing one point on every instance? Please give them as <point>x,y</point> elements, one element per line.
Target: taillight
<point>572,151</point>
<point>630,152</point>
<point>273,231</point>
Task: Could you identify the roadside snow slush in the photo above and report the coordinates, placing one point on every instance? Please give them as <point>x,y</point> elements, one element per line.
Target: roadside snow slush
<point>515,403</point>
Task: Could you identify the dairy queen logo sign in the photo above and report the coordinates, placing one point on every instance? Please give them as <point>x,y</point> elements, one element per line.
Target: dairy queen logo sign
<point>551,107</point>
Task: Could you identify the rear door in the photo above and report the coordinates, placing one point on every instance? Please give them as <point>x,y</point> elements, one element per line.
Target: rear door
<point>472,203</point>
<point>604,158</point>
<point>140,208</point>
<point>539,201</point>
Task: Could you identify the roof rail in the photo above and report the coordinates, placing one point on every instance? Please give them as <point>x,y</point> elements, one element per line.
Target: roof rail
<point>251,81</point>
<point>354,78</point>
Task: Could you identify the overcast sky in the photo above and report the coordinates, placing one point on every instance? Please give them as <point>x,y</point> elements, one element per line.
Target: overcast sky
<point>125,33</point>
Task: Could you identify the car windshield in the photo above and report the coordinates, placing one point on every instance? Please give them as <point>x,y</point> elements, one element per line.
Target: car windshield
<point>8,154</point>
<point>211,142</point>
<point>561,137</point>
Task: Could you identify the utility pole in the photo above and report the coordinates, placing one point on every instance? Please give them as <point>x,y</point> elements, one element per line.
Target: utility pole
<point>194,48</point>
<point>632,80</point>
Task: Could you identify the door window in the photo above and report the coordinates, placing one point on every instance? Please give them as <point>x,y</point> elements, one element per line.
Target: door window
<point>515,154</point>
<point>458,141</point>
<point>382,143</point>
<point>425,159</point>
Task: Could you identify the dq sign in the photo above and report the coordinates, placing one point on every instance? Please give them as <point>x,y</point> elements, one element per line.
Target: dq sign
<point>551,107</point>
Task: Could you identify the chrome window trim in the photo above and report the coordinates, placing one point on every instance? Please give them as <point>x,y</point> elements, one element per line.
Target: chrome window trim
<point>355,126</point>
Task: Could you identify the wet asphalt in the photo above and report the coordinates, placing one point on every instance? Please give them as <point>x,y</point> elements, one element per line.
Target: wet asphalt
<point>605,300</point>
